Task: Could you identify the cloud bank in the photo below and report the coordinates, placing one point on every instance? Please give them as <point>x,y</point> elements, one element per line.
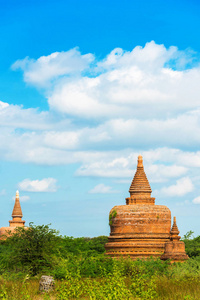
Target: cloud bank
<point>142,83</point>
<point>104,112</point>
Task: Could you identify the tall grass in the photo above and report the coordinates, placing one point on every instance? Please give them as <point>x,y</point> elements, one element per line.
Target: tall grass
<point>109,286</point>
<point>178,289</point>
<point>18,290</point>
<point>82,270</point>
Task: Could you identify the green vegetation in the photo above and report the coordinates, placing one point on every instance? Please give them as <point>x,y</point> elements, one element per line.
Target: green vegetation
<point>31,250</point>
<point>192,245</point>
<point>83,271</point>
<point>112,215</point>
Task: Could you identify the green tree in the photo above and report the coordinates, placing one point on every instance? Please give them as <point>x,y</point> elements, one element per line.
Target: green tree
<point>192,244</point>
<point>83,245</point>
<point>33,248</point>
<point>97,243</point>
<point>188,235</point>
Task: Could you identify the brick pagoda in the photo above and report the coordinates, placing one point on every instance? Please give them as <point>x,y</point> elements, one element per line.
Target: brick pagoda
<point>174,249</point>
<point>141,229</point>
<point>16,218</point>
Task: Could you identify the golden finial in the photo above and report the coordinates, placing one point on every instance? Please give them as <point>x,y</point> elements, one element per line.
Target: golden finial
<point>140,161</point>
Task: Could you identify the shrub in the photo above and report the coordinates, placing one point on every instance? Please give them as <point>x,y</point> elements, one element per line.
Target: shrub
<point>32,249</point>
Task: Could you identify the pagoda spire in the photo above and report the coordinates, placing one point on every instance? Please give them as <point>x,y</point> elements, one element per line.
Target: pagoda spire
<point>17,211</point>
<point>174,233</point>
<point>140,183</point>
<point>140,189</point>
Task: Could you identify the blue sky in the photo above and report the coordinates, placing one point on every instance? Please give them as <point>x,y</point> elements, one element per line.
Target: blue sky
<point>87,86</point>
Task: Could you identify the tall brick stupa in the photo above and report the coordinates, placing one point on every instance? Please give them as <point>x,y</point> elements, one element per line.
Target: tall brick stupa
<point>141,229</point>
<point>16,218</point>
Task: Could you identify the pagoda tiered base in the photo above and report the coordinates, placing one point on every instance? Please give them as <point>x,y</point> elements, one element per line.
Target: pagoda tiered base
<point>136,246</point>
<point>139,231</point>
<point>175,251</point>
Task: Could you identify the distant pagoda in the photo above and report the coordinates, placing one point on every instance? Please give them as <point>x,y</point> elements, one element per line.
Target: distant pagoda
<point>16,218</point>
<point>174,249</point>
<point>141,229</point>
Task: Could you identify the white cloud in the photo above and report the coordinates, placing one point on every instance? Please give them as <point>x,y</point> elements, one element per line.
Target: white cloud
<point>16,117</point>
<point>137,103</point>
<point>161,172</point>
<point>196,200</point>
<point>102,189</point>
<point>122,164</point>
<point>46,68</point>
<point>103,113</point>
<point>181,131</point>
<point>190,159</point>
<point>3,105</point>
<point>62,139</point>
<point>111,165</point>
<point>182,187</point>
<point>53,147</point>
<point>33,139</point>
<point>44,185</point>
<point>134,84</point>
<point>151,56</point>
<point>143,102</point>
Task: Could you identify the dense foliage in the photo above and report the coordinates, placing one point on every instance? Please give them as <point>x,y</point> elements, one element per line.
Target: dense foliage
<point>192,245</point>
<point>83,271</point>
<point>39,249</point>
<point>32,249</point>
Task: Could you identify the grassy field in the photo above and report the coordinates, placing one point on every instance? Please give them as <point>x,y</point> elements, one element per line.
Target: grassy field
<point>127,280</point>
<point>82,270</point>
